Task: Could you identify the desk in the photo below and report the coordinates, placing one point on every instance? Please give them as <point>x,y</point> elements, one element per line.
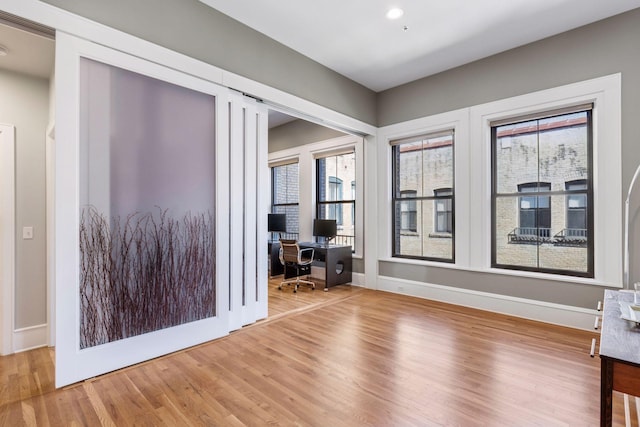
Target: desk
<point>275,266</point>
<point>619,354</point>
<point>336,260</point>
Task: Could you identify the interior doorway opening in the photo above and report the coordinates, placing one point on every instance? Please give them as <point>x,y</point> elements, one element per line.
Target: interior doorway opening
<point>26,76</point>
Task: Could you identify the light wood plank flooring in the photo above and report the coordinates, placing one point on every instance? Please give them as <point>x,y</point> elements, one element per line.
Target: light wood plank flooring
<point>349,357</point>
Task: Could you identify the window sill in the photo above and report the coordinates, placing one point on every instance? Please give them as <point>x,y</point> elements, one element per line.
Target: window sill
<point>514,273</point>
<point>409,233</point>
<point>440,235</point>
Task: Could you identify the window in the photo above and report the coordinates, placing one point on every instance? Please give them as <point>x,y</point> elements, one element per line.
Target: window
<point>331,202</point>
<point>335,194</point>
<point>444,212</point>
<point>577,207</point>
<point>408,211</point>
<point>285,196</point>
<point>541,219</point>
<point>535,211</point>
<point>353,206</point>
<point>480,201</point>
<point>423,197</point>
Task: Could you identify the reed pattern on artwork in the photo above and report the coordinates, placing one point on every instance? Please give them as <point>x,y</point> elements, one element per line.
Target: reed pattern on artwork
<point>143,273</point>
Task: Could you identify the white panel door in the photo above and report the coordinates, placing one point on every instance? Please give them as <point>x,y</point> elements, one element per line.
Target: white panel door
<point>249,204</point>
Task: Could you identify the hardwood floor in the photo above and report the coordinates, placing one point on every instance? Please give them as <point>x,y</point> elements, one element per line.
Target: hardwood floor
<point>349,357</point>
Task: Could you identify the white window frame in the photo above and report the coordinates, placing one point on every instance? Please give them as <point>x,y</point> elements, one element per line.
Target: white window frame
<point>458,121</point>
<point>472,159</point>
<point>605,94</point>
<point>307,155</point>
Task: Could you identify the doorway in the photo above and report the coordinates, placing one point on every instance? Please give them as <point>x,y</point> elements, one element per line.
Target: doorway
<point>291,196</point>
<point>26,68</point>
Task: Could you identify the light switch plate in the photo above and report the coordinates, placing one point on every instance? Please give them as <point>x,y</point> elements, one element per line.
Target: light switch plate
<point>27,233</point>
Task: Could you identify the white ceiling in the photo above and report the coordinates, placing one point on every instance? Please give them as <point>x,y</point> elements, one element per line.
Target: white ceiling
<point>354,37</point>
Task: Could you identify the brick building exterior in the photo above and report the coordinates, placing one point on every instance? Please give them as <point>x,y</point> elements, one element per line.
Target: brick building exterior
<point>285,196</point>
<point>537,223</point>
<point>423,224</point>
<point>337,178</point>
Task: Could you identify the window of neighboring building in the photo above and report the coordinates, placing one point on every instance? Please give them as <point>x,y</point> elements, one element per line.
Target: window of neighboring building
<point>535,211</point>
<point>335,194</point>
<point>331,201</point>
<point>408,211</point>
<point>444,211</point>
<point>423,197</point>
<point>285,196</point>
<point>353,206</point>
<point>541,220</point>
<point>577,207</point>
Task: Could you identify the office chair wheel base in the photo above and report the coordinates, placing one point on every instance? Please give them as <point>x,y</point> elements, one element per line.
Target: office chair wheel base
<point>279,288</point>
<point>326,289</point>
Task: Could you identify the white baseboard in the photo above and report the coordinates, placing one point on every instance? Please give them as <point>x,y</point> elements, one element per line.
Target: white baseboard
<point>29,338</point>
<point>357,279</point>
<point>558,314</point>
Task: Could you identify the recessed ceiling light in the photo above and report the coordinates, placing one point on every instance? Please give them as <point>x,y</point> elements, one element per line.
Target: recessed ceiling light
<point>395,13</point>
<point>3,51</point>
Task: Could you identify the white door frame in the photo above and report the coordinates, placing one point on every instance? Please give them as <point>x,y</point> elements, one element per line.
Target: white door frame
<point>50,226</point>
<point>7,237</point>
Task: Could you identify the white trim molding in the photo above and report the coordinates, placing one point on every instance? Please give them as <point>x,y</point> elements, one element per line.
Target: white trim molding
<point>358,279</point>
<point>25,339</point>
<point>458,121</point>
<point>472,151</point>
<point>557,314</point>
<point>7,237</point>
<point>606,95</point>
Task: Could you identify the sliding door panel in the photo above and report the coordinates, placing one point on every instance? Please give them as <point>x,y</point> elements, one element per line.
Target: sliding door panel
<point>147,242</point>
<point>141,163</point>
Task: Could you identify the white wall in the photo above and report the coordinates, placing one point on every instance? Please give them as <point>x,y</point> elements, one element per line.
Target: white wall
<point>25,104</point>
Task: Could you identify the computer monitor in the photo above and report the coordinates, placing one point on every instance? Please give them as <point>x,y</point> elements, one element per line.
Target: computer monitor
<point>278,223</point>
<point>327,228</point>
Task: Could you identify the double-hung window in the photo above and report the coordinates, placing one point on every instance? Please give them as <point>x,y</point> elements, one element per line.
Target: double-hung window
<point>333,200</point>
<point>423,197</point>
<point>542,195</point>
<point>285,196</point>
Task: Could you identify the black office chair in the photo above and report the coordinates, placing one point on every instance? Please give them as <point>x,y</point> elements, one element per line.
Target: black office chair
<point>292,257</point>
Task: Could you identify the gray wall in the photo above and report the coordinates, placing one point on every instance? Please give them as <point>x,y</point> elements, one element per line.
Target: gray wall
<point>602,48</point>
<point>25,105</point>
<point>595,50</point>
<point>196,30</point>
<point>298,132</point>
